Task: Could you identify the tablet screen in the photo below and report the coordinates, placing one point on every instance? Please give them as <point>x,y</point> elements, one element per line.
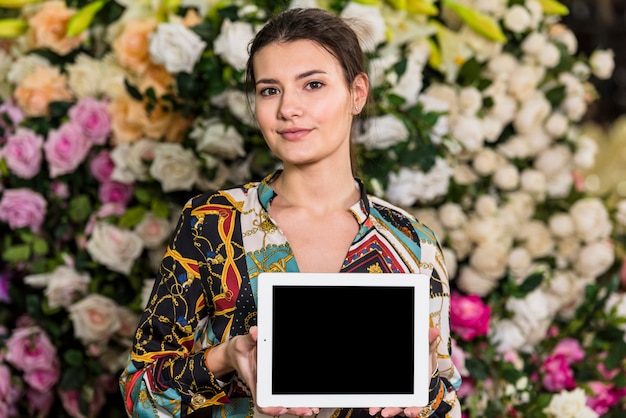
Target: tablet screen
<point>342,340</point>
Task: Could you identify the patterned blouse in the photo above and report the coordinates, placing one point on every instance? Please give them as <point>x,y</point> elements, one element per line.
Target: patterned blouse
<point>206,294</point>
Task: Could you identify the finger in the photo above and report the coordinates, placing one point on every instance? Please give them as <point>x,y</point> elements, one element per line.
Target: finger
<point>412,411</point>
<point>302,412</point>
<point>374,411</point>
<point>433,333</point>
<point>390,412</point>
<point>254,333</point>
<point>272,410</point>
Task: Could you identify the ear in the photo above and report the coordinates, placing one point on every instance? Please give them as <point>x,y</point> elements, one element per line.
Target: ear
<point>360,91</point>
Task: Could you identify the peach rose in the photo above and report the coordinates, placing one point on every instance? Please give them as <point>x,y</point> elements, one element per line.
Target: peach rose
<point>157,77</point>
<point>48,28</point>
<point>156,122</point>
<point>131,47</point>
<point>126,116</point>
<point>38,89</point>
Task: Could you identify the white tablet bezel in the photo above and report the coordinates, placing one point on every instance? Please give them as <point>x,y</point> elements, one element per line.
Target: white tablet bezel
<point>421,378</point>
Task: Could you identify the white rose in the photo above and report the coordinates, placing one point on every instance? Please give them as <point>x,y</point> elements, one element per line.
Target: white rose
<point>63,285</point>
<point>131,160</point>
<point>536,12</point>
<point>569,405</point>
<point>561,33</point>
<point>175,167</point>
<point>383,132</point>
<point>507,336</point>
<point>232,43</point>
<point>532,113</point>
<point>501,65</point>
<point>451,262</point>
<point>470,101</point>
<point>575,107</point>
<point>524,80</point>
<point>410,83</point>
<point>617,301</point>
<point>452,215</point>
<point>440,97</point>
<point>153,230</point>
<point>473,283</point>
<point>532,314</point>
<point>408,186</point>
<point>459,241</point>
<point>602,63</point>
<point>489,260</point>
<point>553,160</point>
<point>24,65</point>
<point>369,24</point>
<point>237,103</point>
<point>176,47</point>
<point>486,206</point>
<point>550,56</point>
<point>468,131</point>
<point>537,239</point>
<point>95,319</point>
<point>486,161</point>
<point>569,289</point>
<point>484,229</point>
<point>561,225</point>
<point>519,261</point>
<point>533,182</point>
<point>85,75</point>
<point>559,185</point>
<point>591,219</point>
<point>536,140</point>
<point>114,247</point>
<point>581,70</point>
<point>506,177</point>
<point>534,43</point>
<point>215,138</point>
<point>517,19</point>
<point>594,259</point>
<point>556,125</point>
<point>586,150</point>
<point>464,175</point>
<point>521,204</point>
<point>504,108</point>
<point>492,128</point>
<point>567,250</point>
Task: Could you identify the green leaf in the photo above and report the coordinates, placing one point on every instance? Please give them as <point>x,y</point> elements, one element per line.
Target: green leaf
<point>73,378</point>
<point>160,208</point>
<point>556,95</point>
<point>531,283</point>
<point>616,355</point>
<point>79,208</point>
<point>476,368</point>
<point>17,253</point>
<point>73,357</point>
<point>40,246</point>
<point>132,217</point>
<point>83,18</point>
<point>133,91</point>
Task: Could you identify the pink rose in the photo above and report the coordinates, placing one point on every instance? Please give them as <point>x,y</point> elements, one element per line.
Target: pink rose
<point>570,349</point>
<point>9,393</point>
<point>93,118</point>
<point>60,189</point>
<point>101,166</point>
<point>12,112</point>
<point>66,148</point>
<point>70,400</point>
<point>115,192</point>
<point>557,374</point>
<point>5,280</point>
<point>22,153</point>
<point>603,397</point>
<point>469,316</point>
<point>44,379</point>
<point>39,403</point>
<point>23,208</point>
<point>30,349</point>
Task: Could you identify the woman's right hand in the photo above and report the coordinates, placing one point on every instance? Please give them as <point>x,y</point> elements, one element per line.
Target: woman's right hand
<point>239,354</point>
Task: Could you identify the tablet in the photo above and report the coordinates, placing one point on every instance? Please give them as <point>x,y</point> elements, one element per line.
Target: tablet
<point>343,340</point>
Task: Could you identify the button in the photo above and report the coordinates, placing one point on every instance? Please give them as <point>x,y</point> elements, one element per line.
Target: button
<point>198,400</point>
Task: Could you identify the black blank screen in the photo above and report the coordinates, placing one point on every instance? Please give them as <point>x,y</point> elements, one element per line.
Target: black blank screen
<point>343,340</point>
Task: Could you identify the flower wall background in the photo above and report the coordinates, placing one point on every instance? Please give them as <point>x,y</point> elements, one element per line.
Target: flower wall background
<point>114,113</point>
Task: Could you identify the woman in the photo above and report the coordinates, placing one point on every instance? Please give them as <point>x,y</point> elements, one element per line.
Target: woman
<point>195,345</point>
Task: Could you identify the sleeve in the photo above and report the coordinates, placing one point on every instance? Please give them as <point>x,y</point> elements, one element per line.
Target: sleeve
<point>446,379</point>
<point>166,374</point>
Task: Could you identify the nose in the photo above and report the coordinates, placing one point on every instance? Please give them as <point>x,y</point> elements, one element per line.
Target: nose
<point>290,105</point>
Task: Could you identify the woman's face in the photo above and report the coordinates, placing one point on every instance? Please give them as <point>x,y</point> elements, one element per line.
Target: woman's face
<point>303,104</point>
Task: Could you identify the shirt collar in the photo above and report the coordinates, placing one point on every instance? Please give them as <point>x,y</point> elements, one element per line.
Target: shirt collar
<point>360,210</point>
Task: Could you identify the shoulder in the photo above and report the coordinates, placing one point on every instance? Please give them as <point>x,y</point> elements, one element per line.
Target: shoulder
<point>232,197</point>
<point>401,219</point>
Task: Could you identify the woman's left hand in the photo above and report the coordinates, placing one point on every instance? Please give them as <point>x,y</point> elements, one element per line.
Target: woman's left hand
<point>413,411</point>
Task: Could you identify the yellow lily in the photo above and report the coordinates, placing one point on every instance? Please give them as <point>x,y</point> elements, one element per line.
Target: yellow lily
<point>16,4</point>
<point>83,18</point>
<point>553,7</point>
<point>422,7</point>
<point>12,28</point>
<point>434,59</point>
<point>477,21</point>
<point>368,2</point>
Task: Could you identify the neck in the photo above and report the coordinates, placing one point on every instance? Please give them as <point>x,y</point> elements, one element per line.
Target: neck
<point>329,189</point>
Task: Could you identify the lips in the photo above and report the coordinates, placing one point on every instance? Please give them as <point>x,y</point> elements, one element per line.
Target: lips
<point>293,133</point>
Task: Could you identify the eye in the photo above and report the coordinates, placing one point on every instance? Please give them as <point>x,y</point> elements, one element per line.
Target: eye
<point>314,85</point>
<point>268,91</point>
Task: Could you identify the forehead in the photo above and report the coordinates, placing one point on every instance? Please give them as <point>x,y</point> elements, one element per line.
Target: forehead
<point>299,55</point>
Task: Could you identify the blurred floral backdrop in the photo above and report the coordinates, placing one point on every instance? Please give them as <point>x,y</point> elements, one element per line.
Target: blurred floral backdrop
<point>114,113</point>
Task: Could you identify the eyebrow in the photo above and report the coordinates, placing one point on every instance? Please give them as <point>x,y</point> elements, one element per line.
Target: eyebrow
<point>299,77</point>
